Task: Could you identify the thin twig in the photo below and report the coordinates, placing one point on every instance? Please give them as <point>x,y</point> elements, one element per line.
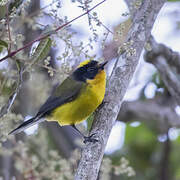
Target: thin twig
<point>104,26</point>
<point>9,31</point>
<point>45,36</point>
<point>86,6</point>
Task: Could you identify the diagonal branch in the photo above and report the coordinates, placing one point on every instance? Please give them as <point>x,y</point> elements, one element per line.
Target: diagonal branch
<point>168,64</point>
<point>133,6</point>
<point>155,112</point>
<point>48,34</point>
<point>122,74</point>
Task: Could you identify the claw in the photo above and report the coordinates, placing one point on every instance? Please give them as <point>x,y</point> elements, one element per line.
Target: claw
<point>90,139</point>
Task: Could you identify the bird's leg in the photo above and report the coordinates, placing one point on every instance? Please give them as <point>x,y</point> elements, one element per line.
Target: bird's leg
<point>86,138</point>
<point>74,127</point>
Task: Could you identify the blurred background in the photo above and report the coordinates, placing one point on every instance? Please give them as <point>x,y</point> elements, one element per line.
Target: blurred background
<point>145,140</point>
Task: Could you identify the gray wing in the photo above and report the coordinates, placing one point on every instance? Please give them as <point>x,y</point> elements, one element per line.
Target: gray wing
<point>66,92</point>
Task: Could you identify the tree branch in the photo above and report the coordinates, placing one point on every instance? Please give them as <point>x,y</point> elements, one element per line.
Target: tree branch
<point>165,160</point>
<point>168,64</point>
<point>152,111</point>
<point>49,33</point>
<point>132,5</point>
<point>122,74</point>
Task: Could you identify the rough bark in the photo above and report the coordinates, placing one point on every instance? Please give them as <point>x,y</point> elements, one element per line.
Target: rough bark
<point>168,64</point>
<point>122,74</point>
<point>132,5</point>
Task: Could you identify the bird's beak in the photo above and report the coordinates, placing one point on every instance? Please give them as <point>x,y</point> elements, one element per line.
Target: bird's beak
<point>101,66</point>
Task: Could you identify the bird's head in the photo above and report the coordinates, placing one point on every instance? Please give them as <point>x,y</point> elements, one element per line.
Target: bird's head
<point>88,70</point>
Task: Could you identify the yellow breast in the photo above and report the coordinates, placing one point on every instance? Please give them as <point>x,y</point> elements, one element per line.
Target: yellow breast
<point>89,99</point>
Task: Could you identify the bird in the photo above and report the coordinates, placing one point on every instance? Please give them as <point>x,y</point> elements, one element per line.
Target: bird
<point>74,100</point>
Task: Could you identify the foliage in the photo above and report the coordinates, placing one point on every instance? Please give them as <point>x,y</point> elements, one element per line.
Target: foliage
<point>48,63</point>
<point>3,44</point>
<point>36,156</point>
<point>41,51</point>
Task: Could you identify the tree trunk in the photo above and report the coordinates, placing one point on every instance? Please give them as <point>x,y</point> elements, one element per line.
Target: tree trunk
<point>122,74</point>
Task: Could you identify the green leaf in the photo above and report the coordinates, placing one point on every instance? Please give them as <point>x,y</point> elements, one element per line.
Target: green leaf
<point>2,12</point>
<point>2,45</point>
<point>41,51</point>
<point>14,4</point>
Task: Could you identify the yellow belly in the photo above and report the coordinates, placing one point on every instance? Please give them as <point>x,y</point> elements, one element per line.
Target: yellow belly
<point>78,110</point>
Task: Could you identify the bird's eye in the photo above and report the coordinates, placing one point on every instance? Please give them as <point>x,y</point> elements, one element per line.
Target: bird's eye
<point>91,69</point>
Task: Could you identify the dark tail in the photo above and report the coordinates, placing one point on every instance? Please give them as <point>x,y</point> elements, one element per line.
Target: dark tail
<point>25,125</point>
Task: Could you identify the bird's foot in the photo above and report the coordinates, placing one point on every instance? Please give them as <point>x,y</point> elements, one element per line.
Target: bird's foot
<point>90,139</point>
